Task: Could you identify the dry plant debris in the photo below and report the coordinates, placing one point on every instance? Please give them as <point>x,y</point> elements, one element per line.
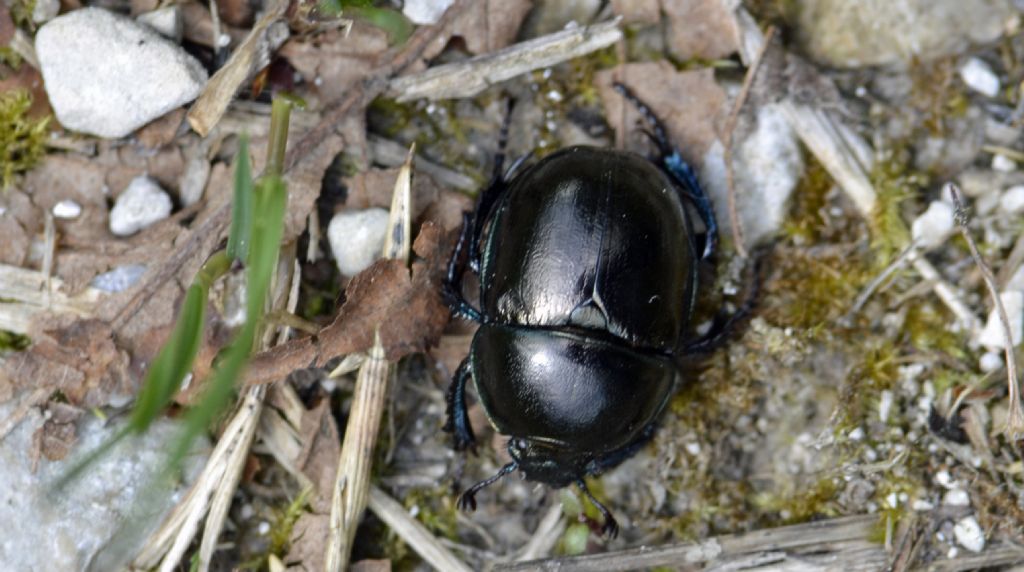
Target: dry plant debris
<point>854,411</point>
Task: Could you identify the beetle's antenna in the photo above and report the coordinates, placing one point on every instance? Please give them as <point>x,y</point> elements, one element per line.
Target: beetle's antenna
<point>611,527</point>
<point>467,500</point>
<point>499,159</point>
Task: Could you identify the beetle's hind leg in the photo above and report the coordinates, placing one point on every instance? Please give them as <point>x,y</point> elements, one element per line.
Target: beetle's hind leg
<point>671,163</point>
<point>458,414</point>
<point>611,527</point>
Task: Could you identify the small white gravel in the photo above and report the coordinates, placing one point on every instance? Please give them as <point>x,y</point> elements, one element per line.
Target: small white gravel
<point>139,206</point>
<point>67,209</point>
<point>885,401</point>
<point>119,279</point>
<point>992,336</point>
<point>979,77</point>
<point>1003,164</point>
<point>425,12</point>
<point>934,225</point>
<point>167,21</point>
<point>357,238</point>
<point>969,534</point>
<point>990,361</point>
<point>1012,201</point>
<point>956,497</point>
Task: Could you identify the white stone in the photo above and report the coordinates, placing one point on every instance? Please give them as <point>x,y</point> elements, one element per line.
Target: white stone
<point>67,209</point>
<point>979,76</point>
<point>944,479</point>
<point>357,238</point>
<point>45,10</point>
<point>1016,282</point>
<point>119,279</point>
<point>893,500</point>
<point>693,448</point>
<point>933,226</point>
<point>857,434</point>
<point>1003,164</point>
<point>885,400</point>
<point>425,12</point>
<point>992,336</point>
<point>969,534</point>
<point>167,21</point>
<point>769,164</point>
<point>139,206</point>
<point>1012,201</point>
<point>101,519</point>
<point>920,504</point>
<point>108,75</point>
<point>989,362</point>
<point>956,497</point>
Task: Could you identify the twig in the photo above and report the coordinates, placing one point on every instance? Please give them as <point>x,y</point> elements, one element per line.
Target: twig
<point>891,269</point>
<point>247,59</point>
<point>391,154</point>
<point>1015,420</point>
<point>730,130</point>
<point>840,535</point>
<point>369,399</point>
<point>1012,263</point>
<point>545,537</point>
<point>413,533</point>
<point>470,77</point>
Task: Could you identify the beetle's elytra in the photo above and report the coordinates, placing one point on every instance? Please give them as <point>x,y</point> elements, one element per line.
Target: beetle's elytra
<point>588,266</point>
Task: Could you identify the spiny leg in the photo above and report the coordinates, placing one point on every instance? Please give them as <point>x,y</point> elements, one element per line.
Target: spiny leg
<point>467,500</point>
<point>672,163</point>
<point>611,527</point>
<point>458,414</point>
<point>722,329</point>
<point>451,289</point>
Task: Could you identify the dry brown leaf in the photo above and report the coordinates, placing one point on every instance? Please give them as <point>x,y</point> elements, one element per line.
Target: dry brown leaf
<point>333,61</point>
<point>375,187</point>
<point>57,435</point>
<point>408,310</point>
<point>321,446</point>
<point>491,24</point>
<point>70,177</point>
<point>371,566</point>
<point>14,239</point>
<point>161,130</point>
<point>700,29</point>
<point>690,103</point>
<point>77,358</point>
<point>638,11</point>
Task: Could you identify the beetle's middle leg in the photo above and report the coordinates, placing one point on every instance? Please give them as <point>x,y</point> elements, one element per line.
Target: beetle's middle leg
<point>451,289</point>
<point>679,171</point>
<point>458,413</point>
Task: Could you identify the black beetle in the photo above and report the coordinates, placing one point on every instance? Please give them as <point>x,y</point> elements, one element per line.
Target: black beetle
<point>588,277</point>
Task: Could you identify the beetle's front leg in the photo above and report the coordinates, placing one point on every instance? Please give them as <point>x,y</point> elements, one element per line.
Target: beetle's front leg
<point>451,290</point>
<point>458,414</point>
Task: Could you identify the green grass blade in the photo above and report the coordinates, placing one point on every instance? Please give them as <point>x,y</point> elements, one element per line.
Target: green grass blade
<point>269,204</point>
<point>241,205</point>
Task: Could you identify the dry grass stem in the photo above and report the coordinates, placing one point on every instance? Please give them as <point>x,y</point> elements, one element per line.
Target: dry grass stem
<point>1014,428</point>
<point>251,56</point>
<point>391,154</point>
<point>877,282</point>
<point>544,539</point>
<point>25,295</point>
<point>413,533</point>
<point>1012,263</point>
<point>730,131</point>
<point>470,77</point>
<point>369,399</point>
<point>23,45</point>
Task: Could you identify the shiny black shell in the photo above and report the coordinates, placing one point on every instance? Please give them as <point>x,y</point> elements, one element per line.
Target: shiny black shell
<point>588,273</point>
<point>595,239</point>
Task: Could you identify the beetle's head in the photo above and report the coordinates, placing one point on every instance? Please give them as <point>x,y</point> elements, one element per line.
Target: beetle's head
<point>546,462</point>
